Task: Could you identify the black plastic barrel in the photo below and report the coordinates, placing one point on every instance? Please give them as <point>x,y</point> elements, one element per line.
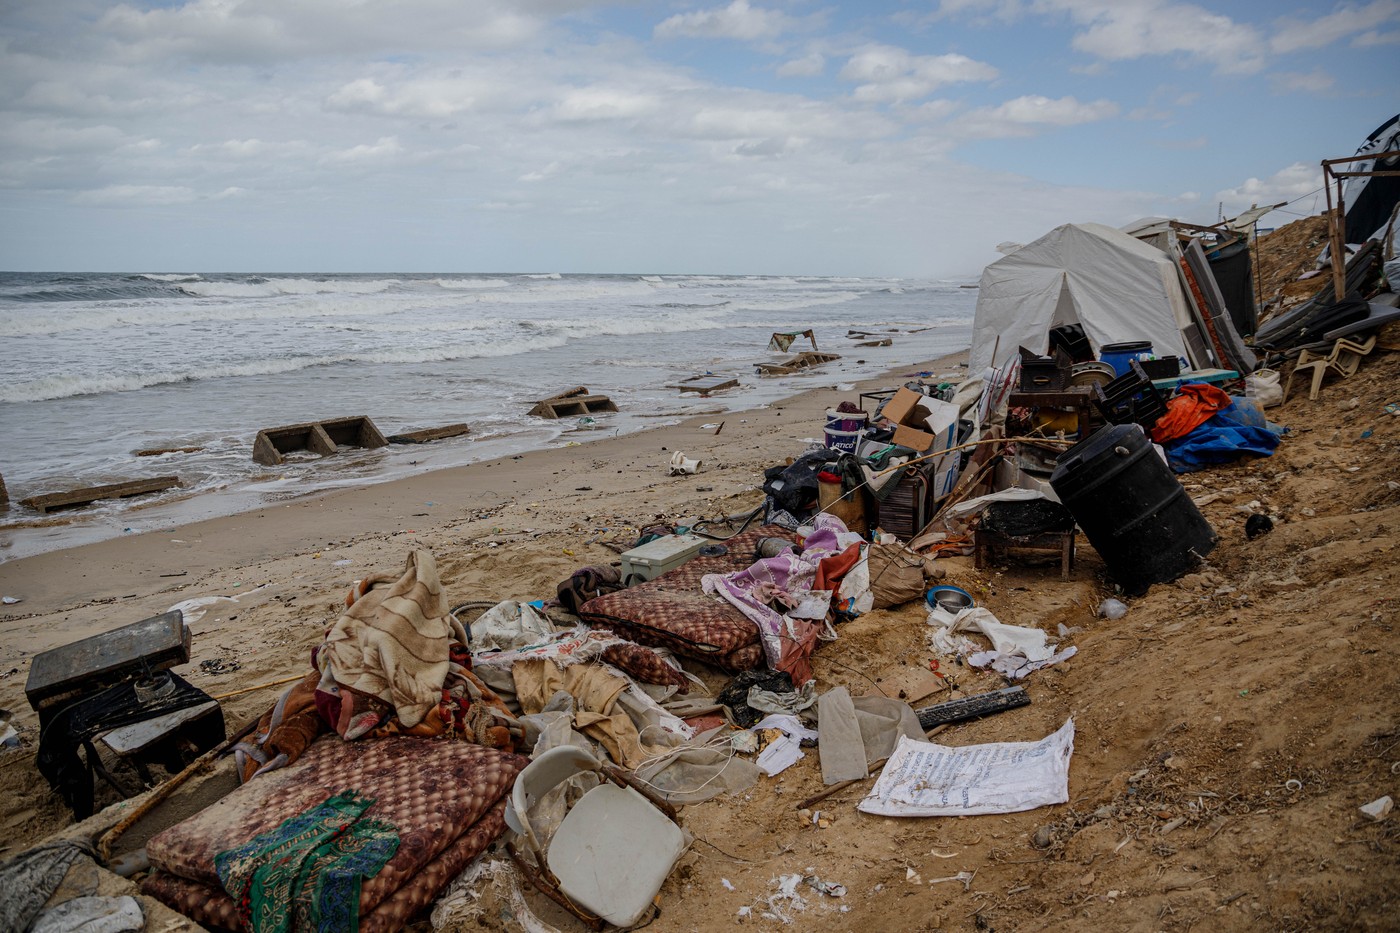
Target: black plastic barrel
<point>1131,508</point>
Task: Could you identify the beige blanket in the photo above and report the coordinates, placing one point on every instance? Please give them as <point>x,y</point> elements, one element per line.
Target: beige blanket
<point>392,640</point>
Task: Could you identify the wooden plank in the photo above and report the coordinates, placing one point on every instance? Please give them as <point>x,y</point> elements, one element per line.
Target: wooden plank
<point>425,435</point>
<point>48,502</point>
<point>157,451</point>
<point>883,342</point>
<point>906,682</point>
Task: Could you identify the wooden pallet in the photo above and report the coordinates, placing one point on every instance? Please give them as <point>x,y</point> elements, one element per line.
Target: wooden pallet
<point>425,435</point>
<point>576,401</point>
<point>73,498</point>
<point>705,384</point>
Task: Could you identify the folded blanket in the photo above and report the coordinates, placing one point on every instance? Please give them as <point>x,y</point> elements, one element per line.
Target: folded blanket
<point>392,640</point>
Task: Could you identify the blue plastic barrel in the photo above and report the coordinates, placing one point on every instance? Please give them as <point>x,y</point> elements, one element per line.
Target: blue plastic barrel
<point>1119,355</point>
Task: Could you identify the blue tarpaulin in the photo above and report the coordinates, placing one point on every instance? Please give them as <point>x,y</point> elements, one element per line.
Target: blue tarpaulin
<point>1239,429</point>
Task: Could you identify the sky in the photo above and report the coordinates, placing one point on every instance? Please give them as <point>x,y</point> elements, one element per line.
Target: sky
<point>846,138</point>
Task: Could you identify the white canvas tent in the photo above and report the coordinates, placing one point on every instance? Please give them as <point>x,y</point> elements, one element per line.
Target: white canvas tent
<point>1114,286</point>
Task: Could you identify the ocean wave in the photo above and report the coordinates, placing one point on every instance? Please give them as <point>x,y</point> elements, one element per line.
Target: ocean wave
<point>272,288</point>
<point>798,301</point>
<point>47,388</point>
<point>170,276</point>
<point>541,275</point>
<point>470,283</point>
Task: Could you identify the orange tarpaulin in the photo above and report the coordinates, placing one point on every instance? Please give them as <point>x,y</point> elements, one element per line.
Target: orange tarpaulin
<point>1196,404</point>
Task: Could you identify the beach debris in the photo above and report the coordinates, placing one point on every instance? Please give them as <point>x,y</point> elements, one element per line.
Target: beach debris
<point>964,876</point>
<point>705,383</point>
<point>782,340</point>
<point>681,465</point>
<point>785,735</point>
<point>317,437</point>
<point>1257,525</point>
<point>803,360</point>
<point>784,902</point>
<point>72,498</point>
<point>829,888</point>
<point>926,779</point>
<point>1378,809</point>
<point>10,600</point>
<point>425,435</point>
<point>160,451</point>
<point>973,707</point>
<point>1112,609</point>
<point>571,403</point>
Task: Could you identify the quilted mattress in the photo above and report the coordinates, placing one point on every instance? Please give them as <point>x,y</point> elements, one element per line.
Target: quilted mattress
<point>444,798</point>
<point>673,612</point>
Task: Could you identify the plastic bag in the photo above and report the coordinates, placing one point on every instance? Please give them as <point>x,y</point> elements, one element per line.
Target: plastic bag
<point>1264,387</point>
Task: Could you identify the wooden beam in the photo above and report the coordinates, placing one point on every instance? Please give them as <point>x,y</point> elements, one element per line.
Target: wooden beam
<point>48,502</point>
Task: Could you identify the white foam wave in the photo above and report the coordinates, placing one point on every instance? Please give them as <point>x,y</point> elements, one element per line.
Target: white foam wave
<point>798,301</point>
<point>50,387</point>
<point>274,287</point>
<point>471,283</point>
<point>170,277</point>
<point>542,275</point>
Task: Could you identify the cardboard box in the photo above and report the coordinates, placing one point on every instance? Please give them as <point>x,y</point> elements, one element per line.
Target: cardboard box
<point>923,424</point>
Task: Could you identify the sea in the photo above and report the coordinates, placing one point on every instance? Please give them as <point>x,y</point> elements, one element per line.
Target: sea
<point>97,366</point>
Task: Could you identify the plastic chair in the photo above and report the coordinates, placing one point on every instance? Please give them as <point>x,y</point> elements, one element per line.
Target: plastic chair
<point>1344,359</point>
<point>613,849</point>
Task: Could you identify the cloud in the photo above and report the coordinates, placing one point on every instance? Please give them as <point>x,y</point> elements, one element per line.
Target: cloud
<point>385,149</point>
<point>808,66</point>
<point>263,31</point>
<point>147,195</point>
<point>1287,184</point>
<point>1313,82</point>
<point>605,103</point>
<point>1375,37</point>
<point>1024,116</point>
<point>1293,33</point>
<point>1121,30</point>
<point>887,73</point>
<point>736,21</point>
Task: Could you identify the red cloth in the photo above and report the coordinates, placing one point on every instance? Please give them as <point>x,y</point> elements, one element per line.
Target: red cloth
<point>1196,405</point>
<point>832,569</point>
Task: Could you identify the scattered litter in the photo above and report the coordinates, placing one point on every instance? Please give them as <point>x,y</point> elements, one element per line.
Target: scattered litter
<point>10,600</point>
<point>829,888</point>
<point>964,876</point>
<point>786,749</point>
<point>1112,609</point>
<point>1378,809</point>
<point>1293,785</point>
<point>681,465</point>
<point>728,885</point>
<point>1066,631</point>
<point>784,902</point>
<point>343,563</point>
<point>926,779</point>
<point>1016,650</point>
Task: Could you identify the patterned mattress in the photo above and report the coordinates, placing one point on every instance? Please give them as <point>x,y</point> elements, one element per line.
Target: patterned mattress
<point>444,798</point>
<point>673,612</point>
